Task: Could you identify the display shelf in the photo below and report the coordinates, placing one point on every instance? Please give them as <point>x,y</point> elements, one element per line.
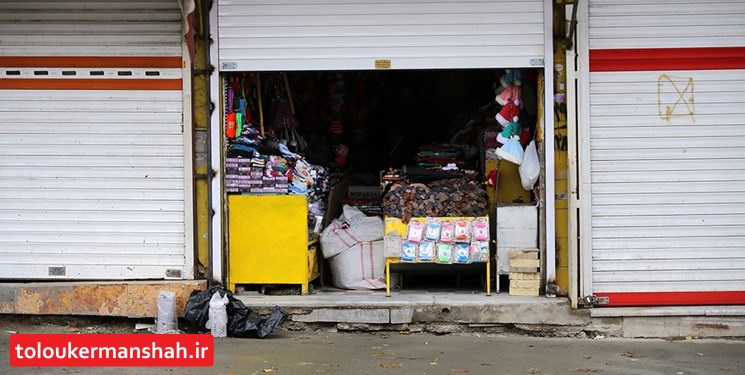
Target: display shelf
<point>394,224</point>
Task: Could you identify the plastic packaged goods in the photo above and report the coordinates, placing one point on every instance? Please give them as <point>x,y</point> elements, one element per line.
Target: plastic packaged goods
<point>444,253</point>
<point>462,252</point>
<point>479,251</point>
<point>432,231</point>
<point>408,251</point>
<point>480,229</point>
<point>447,231</point>
<point>414,232</point>
<point>462,231</point>
<point>230,127</point>
<point>426,252</point>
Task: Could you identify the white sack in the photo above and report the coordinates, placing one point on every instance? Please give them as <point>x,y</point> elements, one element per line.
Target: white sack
<point>351,228</point>
<point>360,267</point>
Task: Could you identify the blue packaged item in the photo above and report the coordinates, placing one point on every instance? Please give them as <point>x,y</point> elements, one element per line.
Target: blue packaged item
<point>408,251</point>
<point>462,252</point>
<point>426,251</point>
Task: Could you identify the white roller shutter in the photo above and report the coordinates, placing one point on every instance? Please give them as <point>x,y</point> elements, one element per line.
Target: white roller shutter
<point>92,141</point>
<point>388,34</point>
<point>664,138</point>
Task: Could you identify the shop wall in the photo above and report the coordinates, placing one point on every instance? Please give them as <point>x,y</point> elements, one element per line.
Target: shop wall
<point>561,157</point>
<point>201,144</point>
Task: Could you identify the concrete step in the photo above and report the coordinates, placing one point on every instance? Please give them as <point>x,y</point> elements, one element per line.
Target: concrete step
<point>419,307</point>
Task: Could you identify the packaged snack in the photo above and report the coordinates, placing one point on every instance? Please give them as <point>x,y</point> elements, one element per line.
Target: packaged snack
<point>480,251</point>
<point>408,251</point>
<point>480,229</point>
<point>462,252</point>
<point>462,231</point>
<point>432,231</point>
<point>426,251</point>
<point>414,232</point>
<point>444,253</point>
<point>447,230</point>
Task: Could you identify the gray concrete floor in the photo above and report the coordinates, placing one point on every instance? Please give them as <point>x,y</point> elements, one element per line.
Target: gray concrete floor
<point>328,352</point>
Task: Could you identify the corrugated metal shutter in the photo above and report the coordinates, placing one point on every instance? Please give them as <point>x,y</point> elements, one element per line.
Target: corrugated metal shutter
<point>365,35</point>
<point>667,151</point>
<point>92,159</point>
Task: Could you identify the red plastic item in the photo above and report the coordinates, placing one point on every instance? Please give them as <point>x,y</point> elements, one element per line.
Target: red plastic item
<point>230,125</point>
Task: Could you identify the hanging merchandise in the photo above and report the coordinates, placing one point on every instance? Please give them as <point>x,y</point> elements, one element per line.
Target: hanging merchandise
<point>432,231</point>
<point>480,251</point>
<point>511,76</point>
<point>462,231</point>
<point>461,253</point>
<point>444,253</point>
<point>409,251</point>
<point>530,169</point>
<point>509,94</point>
<point>230,127</point>
<point>426,252</point>
<point>509,112</point>
<point>510,130</point>
<point>448,231</point>
<point>480,228</point>
<point>511,151</point>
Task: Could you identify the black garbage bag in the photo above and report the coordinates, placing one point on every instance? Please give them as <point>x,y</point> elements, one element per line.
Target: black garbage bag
<point>242,321</point>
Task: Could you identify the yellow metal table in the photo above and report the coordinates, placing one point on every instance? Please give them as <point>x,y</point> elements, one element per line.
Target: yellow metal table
<point>394,224</point>
<point>268,241</point>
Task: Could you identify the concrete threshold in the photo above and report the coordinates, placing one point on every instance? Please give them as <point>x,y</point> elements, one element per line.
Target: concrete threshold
<point>131,299</point>
<point>419,307</point>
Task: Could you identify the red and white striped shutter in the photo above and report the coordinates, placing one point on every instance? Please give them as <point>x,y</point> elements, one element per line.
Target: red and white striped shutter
<point>664,200</point>
<point>92,144</point>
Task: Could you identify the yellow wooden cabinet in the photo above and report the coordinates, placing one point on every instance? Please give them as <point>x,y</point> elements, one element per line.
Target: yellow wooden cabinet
<point>268,241</point>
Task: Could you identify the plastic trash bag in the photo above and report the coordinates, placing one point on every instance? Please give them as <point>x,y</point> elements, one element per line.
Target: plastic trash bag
<point>166,321</point>
<point>242,321</point>
<point>217,322</point>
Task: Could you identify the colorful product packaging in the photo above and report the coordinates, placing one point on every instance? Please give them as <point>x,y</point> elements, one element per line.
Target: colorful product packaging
<point>462,252</point>
<point>480,230</point>
<point>444,253</point>
<point>432,231</point>
<point>462,231</point>
<point>426,251</point>
<point>408,251</point>
<point>480,251</point>
<point>414,231</point>
<point>447,231</point>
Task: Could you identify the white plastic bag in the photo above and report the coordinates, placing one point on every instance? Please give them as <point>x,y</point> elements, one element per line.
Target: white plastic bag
<point>217,321</point>
<point>166,320</point>
<point>351,228</point>
<point>530,169</point>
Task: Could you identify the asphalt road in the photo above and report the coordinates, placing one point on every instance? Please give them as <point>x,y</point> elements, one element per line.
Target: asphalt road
<point>327,352</point>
